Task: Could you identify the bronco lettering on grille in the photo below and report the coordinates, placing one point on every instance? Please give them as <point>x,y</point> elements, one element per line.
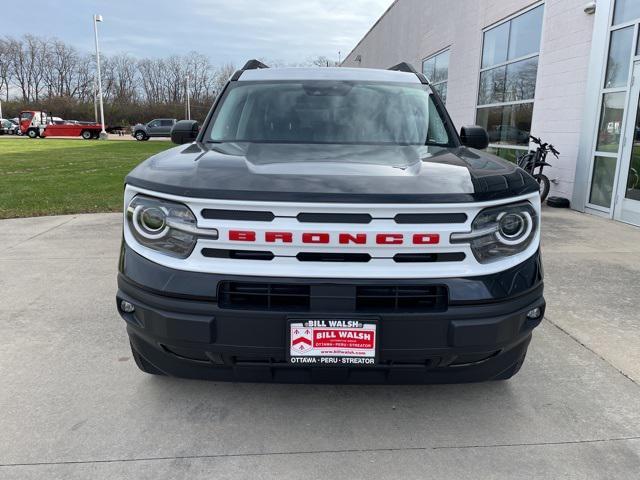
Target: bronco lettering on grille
<point>323,238</point>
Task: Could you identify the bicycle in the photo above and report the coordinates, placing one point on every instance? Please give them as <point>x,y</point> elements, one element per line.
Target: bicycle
<point>533,160</point>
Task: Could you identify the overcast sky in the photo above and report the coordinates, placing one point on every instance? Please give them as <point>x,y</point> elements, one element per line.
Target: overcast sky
<point>226,30</point>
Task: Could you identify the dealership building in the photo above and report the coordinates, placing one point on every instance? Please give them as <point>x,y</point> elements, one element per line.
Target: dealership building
<point>567,71</point>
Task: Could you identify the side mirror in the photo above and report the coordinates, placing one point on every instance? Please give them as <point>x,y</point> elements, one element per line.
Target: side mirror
<point>474,137</point>
<point>184,131</point>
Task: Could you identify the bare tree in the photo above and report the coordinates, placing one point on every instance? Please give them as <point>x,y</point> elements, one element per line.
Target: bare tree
<point>151,72</point>
<point>199,70</point>
<point>27,64</point>
<point>221,77</point>
<point>321,61</point>
<point>60,68</point>
<point>4,69</point>
<point>120,79</point>
<point>83,83</point>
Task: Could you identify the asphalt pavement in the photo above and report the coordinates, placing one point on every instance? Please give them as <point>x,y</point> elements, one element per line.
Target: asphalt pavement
<point>74,406</point>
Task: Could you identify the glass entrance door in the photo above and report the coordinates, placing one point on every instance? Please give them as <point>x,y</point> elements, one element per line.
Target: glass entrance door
<point>627,201</point>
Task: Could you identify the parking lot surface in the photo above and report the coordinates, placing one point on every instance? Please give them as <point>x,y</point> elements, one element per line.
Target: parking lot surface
<point>74,406</point>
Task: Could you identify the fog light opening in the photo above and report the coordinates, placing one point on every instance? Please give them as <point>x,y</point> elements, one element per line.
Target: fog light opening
<point>127,307</point>
<point>534,313</point>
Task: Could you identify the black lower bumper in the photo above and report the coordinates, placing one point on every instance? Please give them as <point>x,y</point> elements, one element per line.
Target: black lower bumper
<point>181,329</point>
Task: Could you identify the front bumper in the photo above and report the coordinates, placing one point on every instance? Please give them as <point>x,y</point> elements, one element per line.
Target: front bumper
<point>180,328</point>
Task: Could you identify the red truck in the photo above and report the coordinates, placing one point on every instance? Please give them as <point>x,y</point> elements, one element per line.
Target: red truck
<point>40,124</point>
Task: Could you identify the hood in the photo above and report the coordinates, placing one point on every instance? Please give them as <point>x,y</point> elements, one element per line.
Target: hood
<point>331,173</point>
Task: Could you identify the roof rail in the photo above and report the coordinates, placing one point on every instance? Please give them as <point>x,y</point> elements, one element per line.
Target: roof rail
<point>408,68</point>
<point>403,67</point>
<point>254,65</point>
<point>250,65</point>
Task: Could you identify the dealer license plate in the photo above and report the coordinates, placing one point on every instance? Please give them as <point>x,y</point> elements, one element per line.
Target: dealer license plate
<point>333,342</point>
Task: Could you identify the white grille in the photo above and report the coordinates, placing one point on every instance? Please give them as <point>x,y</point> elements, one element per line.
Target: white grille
<point>286,262</point>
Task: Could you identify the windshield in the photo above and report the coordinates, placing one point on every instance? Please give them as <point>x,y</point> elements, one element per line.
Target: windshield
<point>333,112</point>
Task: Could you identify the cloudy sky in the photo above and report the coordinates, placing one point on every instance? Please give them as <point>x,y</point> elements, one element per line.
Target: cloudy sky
<point>226,30</point>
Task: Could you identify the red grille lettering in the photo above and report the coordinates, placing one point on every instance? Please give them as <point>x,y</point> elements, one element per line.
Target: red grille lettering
<point>358,238</point>
<point>273,237</point>
<point>389,239</point>
<point>324,238</point>
<point>315,238</point>
<point>242,236</point>
<point>426,239</point>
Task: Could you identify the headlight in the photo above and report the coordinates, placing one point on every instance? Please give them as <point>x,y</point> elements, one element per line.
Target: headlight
<point>499,232</point>
<point>165,226</point>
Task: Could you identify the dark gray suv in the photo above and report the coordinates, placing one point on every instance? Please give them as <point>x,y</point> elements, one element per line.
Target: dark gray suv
<point>330,225</point>
<point>160,127</point>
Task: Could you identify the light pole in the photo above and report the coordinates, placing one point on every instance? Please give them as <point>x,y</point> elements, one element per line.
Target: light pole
<point>96,19</point>
<point>95,100</point>
<point>188,100</point>
<point>0,108</point>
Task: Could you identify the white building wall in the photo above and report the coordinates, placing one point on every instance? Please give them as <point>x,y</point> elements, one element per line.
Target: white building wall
<point>412,30</point>
<point>562,86</point>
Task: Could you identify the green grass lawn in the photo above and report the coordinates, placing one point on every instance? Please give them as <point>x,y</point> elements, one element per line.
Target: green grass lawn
<point>51,176</point>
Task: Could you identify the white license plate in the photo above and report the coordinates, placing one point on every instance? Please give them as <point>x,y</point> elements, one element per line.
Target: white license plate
<point>333,342</point>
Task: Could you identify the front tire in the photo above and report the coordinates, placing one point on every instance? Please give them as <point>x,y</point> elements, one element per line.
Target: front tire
<point>86,134</point>
<point>545,186</point>
<point>32,133</point>
<point>140,136</point>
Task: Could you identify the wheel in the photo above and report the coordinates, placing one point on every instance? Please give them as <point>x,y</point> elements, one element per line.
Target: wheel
<point>86,134</point>
<point>32,133</point>
<point>140,136</point>
<point>142,364</point>
<point>545,185</point>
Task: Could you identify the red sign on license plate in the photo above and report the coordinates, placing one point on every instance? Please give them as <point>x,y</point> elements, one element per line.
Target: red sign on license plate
<point>340,338</point>
<point>333,342</point>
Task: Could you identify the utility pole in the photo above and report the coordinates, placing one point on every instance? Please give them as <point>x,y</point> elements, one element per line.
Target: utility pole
<point>96,19</point>
<point>0,108</point>
<point>339,57</point>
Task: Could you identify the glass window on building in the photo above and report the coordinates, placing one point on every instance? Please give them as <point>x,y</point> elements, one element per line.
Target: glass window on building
<point>436,69</point>
<point>618,63</point>
<point>633,175</point>
<point>610,128</point>
<point>508,80</point>
<point>626,11</point>
<point>613,95</point>
<point>604,171</point>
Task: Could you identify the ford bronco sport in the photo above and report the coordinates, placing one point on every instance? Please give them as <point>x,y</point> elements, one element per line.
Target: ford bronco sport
<point>330,225</point>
